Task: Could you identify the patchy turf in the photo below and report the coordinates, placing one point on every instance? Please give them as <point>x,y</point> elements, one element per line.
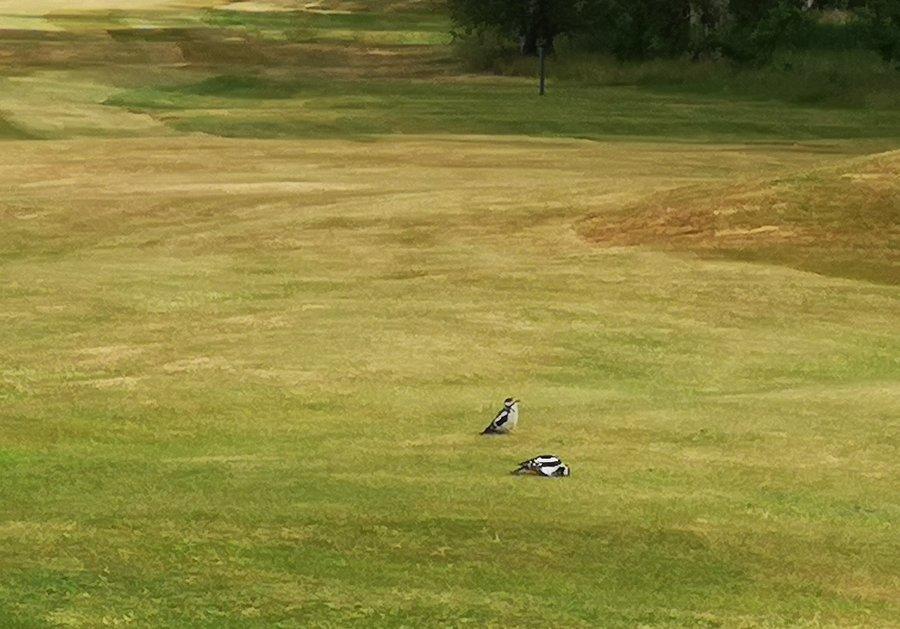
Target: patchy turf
<point>241,377</point>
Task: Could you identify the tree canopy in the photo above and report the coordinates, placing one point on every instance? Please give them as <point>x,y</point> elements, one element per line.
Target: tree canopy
<point>742,29</point>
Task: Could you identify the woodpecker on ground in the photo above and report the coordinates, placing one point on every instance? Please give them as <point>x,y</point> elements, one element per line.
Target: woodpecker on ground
<point>544,465</point>
<point>505,420</point>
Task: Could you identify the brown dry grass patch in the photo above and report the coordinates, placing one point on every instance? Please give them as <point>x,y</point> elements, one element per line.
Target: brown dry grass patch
<point>841,220</point>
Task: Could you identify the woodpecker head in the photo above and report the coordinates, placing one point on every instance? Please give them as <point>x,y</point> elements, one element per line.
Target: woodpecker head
<point>508,402</point>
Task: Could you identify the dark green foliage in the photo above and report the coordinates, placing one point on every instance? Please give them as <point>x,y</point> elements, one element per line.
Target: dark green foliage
<point>638,29</point>
<point>750,12</point>
<point>882,25</point>
<point>756,32</point>
<point>744,30</point>
<point>873,25</point>
<point>628,28</point>
<point>534,22</point>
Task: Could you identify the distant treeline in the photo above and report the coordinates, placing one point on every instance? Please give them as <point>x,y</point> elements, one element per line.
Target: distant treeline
<point>743,30</point>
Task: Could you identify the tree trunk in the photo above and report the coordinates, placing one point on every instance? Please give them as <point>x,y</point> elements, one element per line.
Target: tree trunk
<point>530,41</point>
<point>538,29</point>
<point>549,46</point>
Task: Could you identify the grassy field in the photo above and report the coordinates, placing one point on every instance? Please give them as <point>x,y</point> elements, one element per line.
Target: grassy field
<point>266,273</point>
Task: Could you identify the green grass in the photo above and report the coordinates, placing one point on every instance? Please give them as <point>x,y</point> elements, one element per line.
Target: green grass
<point>247,400</point>
<point>234,87</point>
<point>242,371</point>
<point>10,131</point>
<point>340,108</point>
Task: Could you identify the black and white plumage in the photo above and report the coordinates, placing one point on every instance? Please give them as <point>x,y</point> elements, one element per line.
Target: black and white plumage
<point>505,420</point>
<point>544,465</point>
